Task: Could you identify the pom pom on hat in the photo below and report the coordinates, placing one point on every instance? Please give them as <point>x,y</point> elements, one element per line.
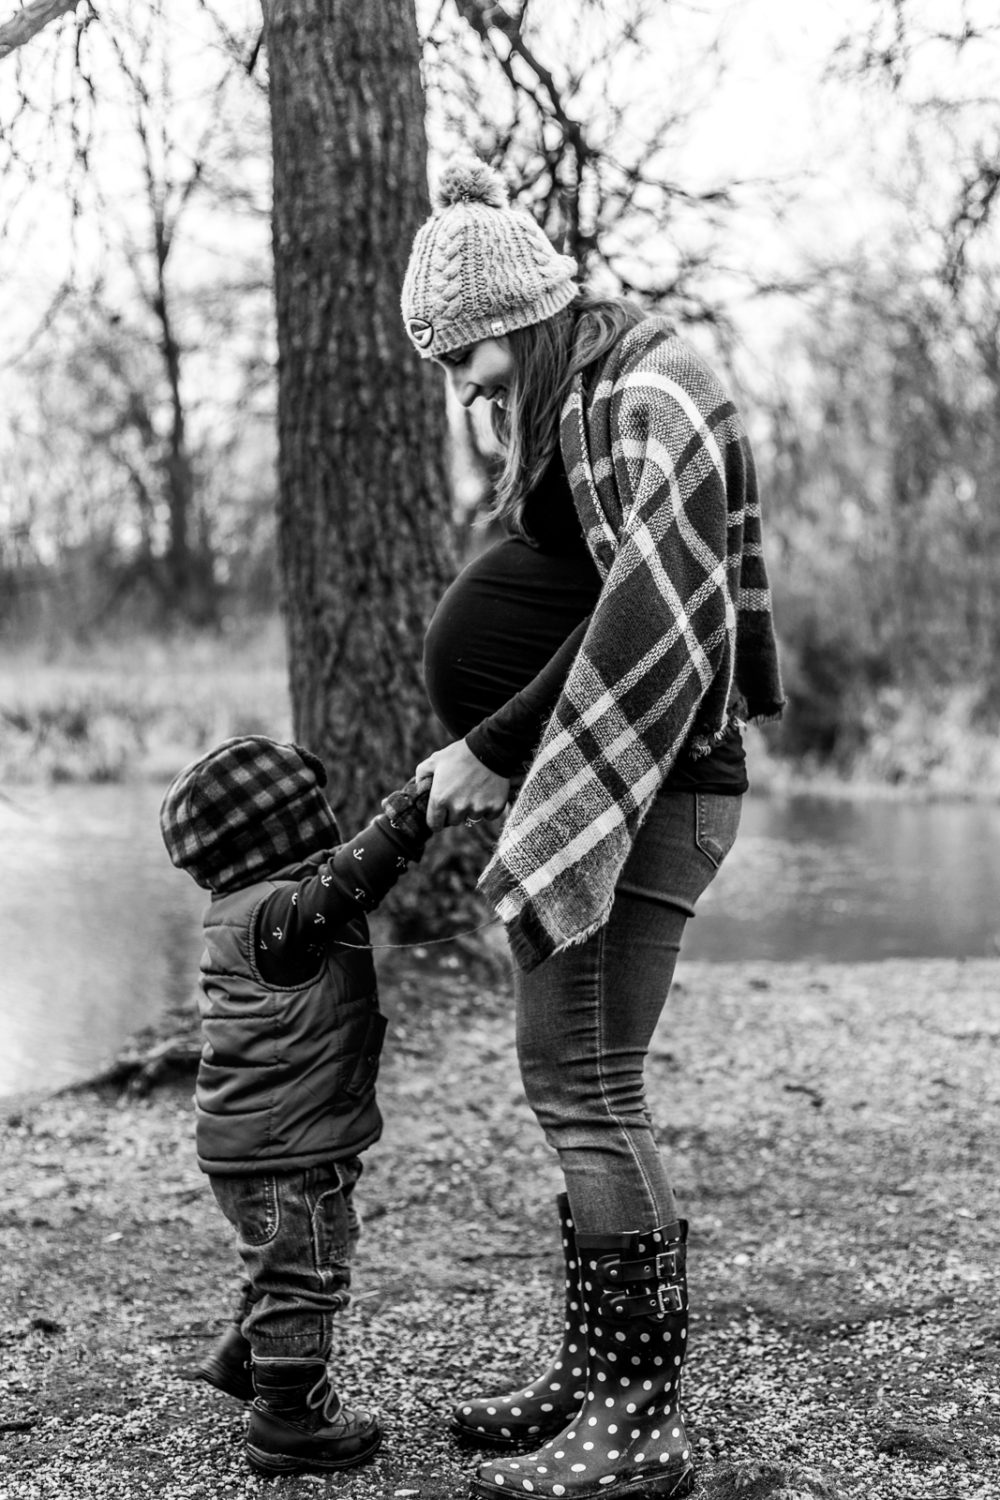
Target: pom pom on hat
<point>480,268</point>
<point>470,180</point>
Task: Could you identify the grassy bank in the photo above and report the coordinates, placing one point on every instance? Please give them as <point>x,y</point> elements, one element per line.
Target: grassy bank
<point>832,1133</point>
<point>140,707</point>
<point>134,707</point>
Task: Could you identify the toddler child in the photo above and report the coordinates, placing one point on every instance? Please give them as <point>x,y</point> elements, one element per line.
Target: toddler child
<point>285,1094</point>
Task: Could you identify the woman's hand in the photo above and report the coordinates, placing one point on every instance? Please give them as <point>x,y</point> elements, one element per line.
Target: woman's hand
<point>462,789</point>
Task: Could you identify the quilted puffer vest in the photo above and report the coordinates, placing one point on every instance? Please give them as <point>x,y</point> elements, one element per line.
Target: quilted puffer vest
<point>287,1076</point>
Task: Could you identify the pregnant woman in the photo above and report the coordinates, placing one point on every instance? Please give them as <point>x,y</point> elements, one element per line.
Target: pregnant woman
<point>594,668</point>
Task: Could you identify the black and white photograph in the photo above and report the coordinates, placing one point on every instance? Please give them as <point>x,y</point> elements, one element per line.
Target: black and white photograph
<point>499,749</point>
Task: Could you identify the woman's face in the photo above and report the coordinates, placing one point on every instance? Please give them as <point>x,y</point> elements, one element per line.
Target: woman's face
<point>482,369</point>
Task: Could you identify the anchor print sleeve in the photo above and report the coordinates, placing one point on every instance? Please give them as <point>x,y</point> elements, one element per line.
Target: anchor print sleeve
<point>297,922</point>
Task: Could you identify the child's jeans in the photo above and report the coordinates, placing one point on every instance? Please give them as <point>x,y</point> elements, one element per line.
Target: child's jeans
<point>295,1232</point>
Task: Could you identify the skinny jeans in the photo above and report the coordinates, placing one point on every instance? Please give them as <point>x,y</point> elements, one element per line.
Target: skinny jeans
<point>585,1018</point>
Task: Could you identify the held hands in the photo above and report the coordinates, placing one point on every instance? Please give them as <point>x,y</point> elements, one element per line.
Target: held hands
<point>462,788</point>
<point>407,808</point>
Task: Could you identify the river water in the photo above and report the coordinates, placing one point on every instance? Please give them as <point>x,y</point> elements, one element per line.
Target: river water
<point>99,930</point>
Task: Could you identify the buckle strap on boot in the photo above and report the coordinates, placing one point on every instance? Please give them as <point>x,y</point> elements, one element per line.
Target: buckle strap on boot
<point>656,1300</point>
<point>665,1265</point>
<point>651,1287</point>
<point>651,1284</point>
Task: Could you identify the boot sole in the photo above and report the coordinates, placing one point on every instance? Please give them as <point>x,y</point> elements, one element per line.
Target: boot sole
<point>653,1487</point>
<point>274,1464</point>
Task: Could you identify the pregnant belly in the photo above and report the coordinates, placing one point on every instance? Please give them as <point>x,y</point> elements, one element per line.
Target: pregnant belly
<point>503,618</point>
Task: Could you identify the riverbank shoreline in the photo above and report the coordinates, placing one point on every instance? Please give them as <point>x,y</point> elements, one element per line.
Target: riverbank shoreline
<point>118,761</point>
<point>832,1130</point>
<point>142,707</point>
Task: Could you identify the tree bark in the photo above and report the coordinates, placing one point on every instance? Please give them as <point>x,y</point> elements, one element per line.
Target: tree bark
<point>365,531</point>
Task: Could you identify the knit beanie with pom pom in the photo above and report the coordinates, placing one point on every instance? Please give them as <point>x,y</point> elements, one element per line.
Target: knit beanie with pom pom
<point>480,268</point>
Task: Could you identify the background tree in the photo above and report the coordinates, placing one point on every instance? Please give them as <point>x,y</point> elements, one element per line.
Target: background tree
<point>880,461</point>
<point>364,503</point>
<point>587,111</point>
<point>590,133</point>
<point>154,339</point>
<point>364,500</point>
<point>875,419</point>
<point>938,58</point>
<point>881,433</point>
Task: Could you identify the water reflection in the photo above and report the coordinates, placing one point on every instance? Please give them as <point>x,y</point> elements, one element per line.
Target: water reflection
<point>99,930</point>
<point>814,877</point>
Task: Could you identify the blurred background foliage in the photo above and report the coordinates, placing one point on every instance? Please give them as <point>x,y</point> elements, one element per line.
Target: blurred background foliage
<point>138,374</point>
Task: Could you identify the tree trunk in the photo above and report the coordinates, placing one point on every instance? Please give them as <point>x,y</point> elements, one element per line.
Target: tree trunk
<point>365,531</point>
<point>188,563</point>
<point>22,27</point>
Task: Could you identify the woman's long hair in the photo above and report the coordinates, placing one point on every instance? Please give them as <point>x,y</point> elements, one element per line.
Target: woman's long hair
<point>547,358</point>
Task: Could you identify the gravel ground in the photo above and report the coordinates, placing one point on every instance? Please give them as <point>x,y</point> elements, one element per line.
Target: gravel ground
<point>834,1134</point>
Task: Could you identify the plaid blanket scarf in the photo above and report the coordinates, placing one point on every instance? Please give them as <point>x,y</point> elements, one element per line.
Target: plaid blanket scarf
<point>681,638</point>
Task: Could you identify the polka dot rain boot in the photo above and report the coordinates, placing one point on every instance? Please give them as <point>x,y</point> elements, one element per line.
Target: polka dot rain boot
<point>545,1406</point>
<point>628,1438</point>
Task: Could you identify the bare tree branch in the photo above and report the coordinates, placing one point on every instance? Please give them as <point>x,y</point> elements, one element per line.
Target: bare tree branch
<point>977,199</point>
<point>486,19</point>
<point>598,168</point>
<point>32,19</point>
<point>895,49</point>
<point>41,328</point>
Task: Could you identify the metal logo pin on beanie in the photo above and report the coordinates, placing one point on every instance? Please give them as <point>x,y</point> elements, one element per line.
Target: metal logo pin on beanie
<point>421,332</point>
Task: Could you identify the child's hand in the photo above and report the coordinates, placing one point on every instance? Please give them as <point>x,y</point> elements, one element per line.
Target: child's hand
<point>408,806</point>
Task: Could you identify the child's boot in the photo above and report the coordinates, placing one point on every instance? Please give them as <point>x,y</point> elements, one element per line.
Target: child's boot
<point>227,1365</point>
<point>297,1422</point>
<point>549,1402</point>
<point>628,1438</point>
